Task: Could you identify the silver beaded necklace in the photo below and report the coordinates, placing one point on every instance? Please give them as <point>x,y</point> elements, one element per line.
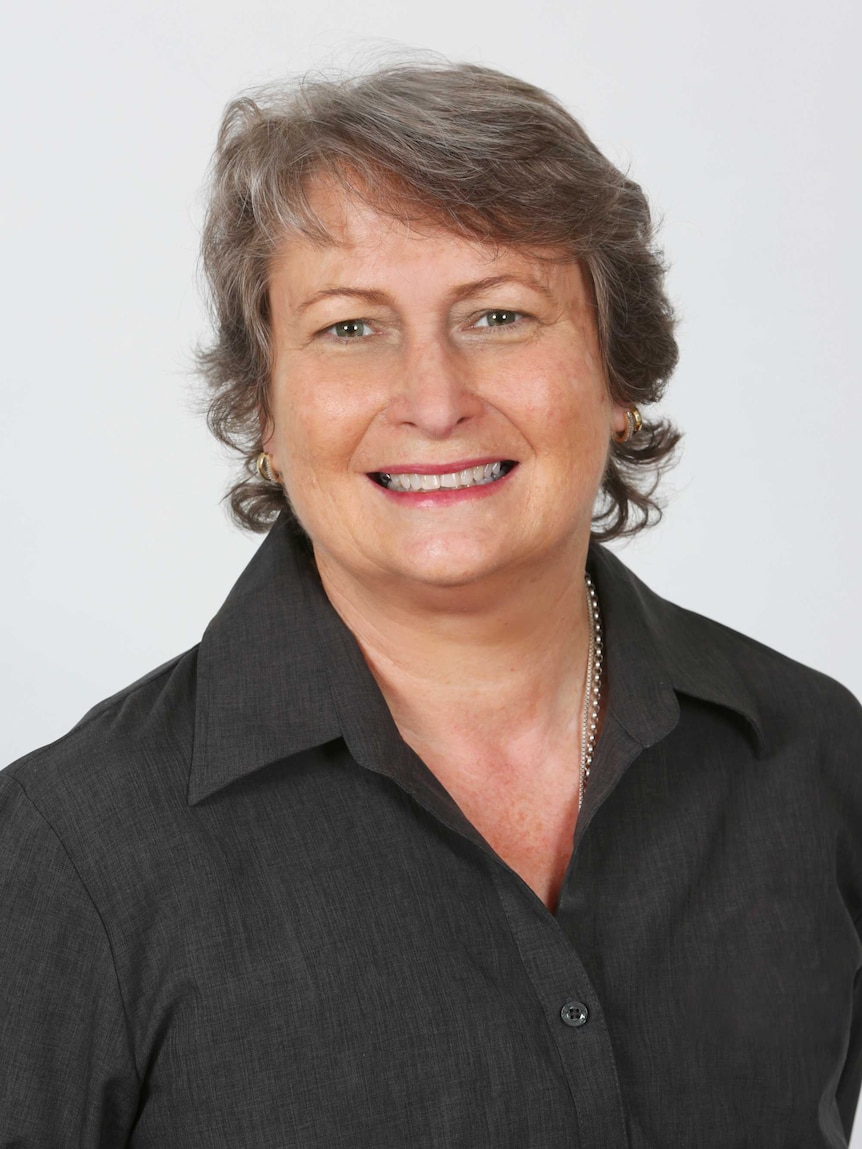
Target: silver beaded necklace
<point>592,688</point>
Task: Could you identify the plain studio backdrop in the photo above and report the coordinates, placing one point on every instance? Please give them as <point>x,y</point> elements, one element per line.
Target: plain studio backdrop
<point>741,122</point>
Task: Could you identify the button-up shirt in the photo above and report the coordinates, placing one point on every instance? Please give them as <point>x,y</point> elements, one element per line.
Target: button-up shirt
<point>237,910</point>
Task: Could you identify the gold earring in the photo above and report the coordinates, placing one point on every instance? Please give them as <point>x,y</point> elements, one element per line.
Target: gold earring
<point>265,469</point>
<point>634,422</point>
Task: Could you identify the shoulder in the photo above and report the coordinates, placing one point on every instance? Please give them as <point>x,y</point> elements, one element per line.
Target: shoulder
<point>128,753</point>
<point>786,693</point>
<point>783,698</point>
<point>775,678</point>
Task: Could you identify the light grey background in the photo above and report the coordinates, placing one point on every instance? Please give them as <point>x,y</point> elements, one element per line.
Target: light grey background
<point>741,121</point>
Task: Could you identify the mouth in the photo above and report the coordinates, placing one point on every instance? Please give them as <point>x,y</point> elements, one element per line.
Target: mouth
<point>480,475</point>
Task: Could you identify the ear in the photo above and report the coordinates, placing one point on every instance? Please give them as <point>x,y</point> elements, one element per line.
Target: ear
<point>266,430</point>
<point>618,418</point>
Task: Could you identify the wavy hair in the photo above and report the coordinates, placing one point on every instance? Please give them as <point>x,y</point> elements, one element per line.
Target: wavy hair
<point>481,153</point>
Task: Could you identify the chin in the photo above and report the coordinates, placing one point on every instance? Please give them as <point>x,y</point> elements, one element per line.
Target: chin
<point>445,568</point>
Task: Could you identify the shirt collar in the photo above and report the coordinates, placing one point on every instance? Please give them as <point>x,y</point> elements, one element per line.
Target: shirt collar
<point>278,672</point>
<point>656,650</point>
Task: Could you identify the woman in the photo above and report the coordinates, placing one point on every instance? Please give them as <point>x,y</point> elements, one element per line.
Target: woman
<point>450,832</point>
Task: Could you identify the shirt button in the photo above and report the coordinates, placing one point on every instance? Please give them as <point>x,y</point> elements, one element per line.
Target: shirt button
<point>574,1013</point>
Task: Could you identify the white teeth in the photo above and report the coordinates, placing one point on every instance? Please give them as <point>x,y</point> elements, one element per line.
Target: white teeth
<point>453,481</point>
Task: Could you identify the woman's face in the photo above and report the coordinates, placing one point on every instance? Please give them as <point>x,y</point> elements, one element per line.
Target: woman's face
<point>409,357</point>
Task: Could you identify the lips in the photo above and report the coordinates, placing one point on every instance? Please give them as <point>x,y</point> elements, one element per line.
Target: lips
<point>443,477</point>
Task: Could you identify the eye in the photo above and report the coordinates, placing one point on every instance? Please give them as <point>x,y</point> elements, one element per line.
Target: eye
<point>498,318</point>
<point>349,329</point>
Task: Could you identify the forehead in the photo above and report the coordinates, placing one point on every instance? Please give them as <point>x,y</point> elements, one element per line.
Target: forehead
<point>371,247</point>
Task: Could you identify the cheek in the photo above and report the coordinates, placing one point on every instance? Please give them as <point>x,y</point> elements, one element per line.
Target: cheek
<point>567,409</point>
<point>328,408</point>
<point>322,428</point>
<point>315,422</point>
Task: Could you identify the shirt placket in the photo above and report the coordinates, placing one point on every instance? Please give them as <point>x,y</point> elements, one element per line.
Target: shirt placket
<point>573,1013</point>
<point>569,1001</point>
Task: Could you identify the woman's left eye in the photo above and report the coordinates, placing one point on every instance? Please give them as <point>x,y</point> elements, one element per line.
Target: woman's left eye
<point>349,329</point>
<point>498,318</point>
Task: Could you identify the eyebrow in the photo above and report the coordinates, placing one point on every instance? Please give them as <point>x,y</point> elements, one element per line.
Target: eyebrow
<point>367,295</point>
<point>457,295</point>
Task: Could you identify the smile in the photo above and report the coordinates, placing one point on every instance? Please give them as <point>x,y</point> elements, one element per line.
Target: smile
<point>478,476</point>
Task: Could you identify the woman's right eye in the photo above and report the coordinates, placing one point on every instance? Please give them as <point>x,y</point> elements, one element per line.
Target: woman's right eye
<point>349,329</point>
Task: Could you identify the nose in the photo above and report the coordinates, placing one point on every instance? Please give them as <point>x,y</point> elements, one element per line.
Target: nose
<point>435,392</point>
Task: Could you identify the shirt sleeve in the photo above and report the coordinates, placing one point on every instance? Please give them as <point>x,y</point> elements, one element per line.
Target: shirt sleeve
<point>847,1094</point>
<point>68,1077</point>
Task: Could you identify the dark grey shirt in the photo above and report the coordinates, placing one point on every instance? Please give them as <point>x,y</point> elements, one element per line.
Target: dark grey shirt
<point>236,910</point>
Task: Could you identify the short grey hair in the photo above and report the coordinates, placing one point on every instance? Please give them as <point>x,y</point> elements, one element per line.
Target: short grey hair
<point>487,156</point>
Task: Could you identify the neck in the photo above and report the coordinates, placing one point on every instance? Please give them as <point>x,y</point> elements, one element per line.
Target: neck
<point>492,665</point>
